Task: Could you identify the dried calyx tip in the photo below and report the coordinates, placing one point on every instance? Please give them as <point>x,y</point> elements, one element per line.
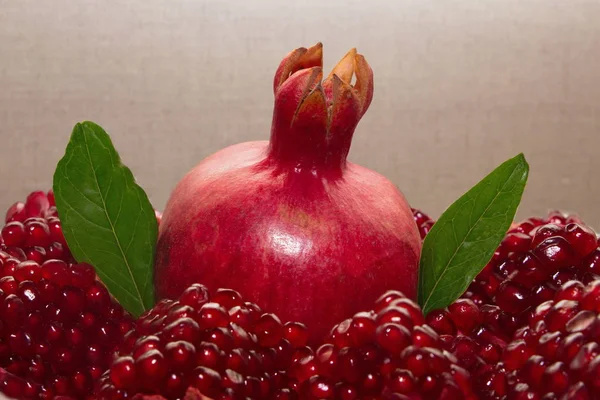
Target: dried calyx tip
<point>337,86</point>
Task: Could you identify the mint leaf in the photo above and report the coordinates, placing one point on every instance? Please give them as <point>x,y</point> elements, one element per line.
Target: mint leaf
<point>106,217</point>
<point>465,237</point>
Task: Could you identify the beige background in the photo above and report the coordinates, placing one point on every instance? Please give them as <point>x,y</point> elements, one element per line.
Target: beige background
<point>460,87</point>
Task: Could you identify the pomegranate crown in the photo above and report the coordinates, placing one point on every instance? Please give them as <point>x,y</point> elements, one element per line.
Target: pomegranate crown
<point>314,119</point>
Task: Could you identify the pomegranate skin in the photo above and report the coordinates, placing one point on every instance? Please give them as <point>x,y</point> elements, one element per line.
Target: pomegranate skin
<point>309,239</point>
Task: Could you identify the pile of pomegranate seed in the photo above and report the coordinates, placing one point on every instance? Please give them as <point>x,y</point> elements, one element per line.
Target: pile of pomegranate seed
<point>423,221</point>
<point>528,327</point>
<point>33,230</point>
<point>557,355</point>
<point>58,328</point>
<point>222,346</point>
<point>535,258</point>
<point>386,353</point>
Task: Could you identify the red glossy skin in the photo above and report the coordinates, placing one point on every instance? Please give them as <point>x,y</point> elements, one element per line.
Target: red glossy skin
<point>305,247</point>
<point>289,223</point>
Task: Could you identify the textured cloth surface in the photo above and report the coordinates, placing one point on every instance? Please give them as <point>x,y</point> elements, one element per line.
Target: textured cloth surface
<point>459,87</point>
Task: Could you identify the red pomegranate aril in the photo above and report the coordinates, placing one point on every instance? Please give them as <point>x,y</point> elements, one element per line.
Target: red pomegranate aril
<point>152,368</point>
<point>15,252</point>
<point>385,299</point>
<point>28,271</point>
<point>583,239</point>
<point>180,355</point>
<point>36,253</point>
<point>296,333</point>
<point>227,298</point>
<point>13,234</point>
<point>402,381</point>
<point>554,252</point>
<point>516,354</point>
<point>182,329</point>
<point>560,314</point>
<point>517,242</point>
<point>424,223</point>
<point>269,330</point>
<point>465,315</point>
<point>393,338</point>
<point>56,252</point>
<point>82,275</point>
<point>362,328</point>
<point>441,321</point>
<point>38,233</point>
<point>592,263</point>
<point>512,297</point>
<point>29,295</point>
<point>212,315</point>
<point>56,233</point>
<point>56,271</point>
<point>16,212</point>
<point>395,315</point>
<point>544,232</point>
<point>556,379</point>
<point>206,380</point>
<point>36,204</point>
<point>8,285</point>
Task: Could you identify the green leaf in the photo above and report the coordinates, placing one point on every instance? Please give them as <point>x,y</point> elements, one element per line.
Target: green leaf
<point>465,237</point>
<point>106,217</point>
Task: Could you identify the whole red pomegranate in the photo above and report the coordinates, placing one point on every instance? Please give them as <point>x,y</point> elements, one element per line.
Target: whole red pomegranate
<point>290,223</point>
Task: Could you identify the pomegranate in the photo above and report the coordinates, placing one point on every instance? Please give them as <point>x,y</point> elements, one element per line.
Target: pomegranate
<point>289,223</point>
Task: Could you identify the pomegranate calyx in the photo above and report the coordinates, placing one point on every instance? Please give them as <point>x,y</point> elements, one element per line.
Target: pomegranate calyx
<point>314,120</point>
<point>301,58</point>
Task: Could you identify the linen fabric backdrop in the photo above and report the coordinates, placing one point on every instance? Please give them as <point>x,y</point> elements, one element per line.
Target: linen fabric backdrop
<point>460,86</point>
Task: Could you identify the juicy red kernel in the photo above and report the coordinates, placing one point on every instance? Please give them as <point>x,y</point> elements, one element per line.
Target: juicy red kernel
<point>269,330</point>
<point>227,298</point>
<point>16,212</point>
<point>544,232</point>
<point>212,315</point>
<point>28,271</point>
<point>13,234</point>
<point>393,338</point>
<point>465,314</point>
<point>385,299</point>
<point>572,290</point>
<point>195,296</point>
<point>517,242</point>
<point>295,333</point>
<point>582,238</point>
<point>554,252</point>
<point>82,275</point>
<point>56,233</point>
<point>151,368</point>
<point>441,321</point>
<point>37,233</point>
<point>512,297</point>
<point>362,328</point>
<point>36,253</point>
<point>423,221</point>
<point>36,204</point>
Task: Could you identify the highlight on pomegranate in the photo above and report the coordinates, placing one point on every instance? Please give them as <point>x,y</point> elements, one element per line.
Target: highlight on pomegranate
<point>280,270</point>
